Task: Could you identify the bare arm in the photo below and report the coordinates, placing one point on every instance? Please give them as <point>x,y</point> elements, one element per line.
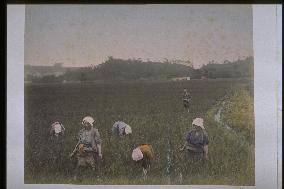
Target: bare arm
<point>98,142</point>
<point>205,148</point>
<point>63,127</point>
<point>99,147</point>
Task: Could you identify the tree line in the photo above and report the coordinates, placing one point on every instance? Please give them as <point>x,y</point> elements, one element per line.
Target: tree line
<point>136,69</point>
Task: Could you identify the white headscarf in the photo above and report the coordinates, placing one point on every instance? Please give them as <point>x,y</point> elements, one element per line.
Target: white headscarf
<point>89,120</point>
<point>198,122</point>
<point>57,127</point>
<point>137,154</point>
<point>128,129</point>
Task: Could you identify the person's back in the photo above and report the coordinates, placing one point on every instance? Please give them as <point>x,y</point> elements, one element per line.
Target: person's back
<point>147,151</point>
<point>143,154</point>
<point>120,128</point>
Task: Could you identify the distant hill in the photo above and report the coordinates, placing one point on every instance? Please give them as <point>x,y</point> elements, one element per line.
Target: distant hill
<point>135,69</point>
<point>132,69</point>
<point>119,69</point>
<point>240,68</point>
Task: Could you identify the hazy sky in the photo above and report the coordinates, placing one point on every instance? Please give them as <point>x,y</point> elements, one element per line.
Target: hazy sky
<point>80,35</point>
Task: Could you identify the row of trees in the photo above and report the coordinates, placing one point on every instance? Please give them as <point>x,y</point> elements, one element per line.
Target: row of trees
<point>136,69</point>
<point>236,69</point>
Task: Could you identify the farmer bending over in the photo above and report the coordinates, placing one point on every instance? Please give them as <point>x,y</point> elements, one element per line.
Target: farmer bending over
<point>57,129</point>
<point>121,129</point>
<point>196,145</point>
<point>143,154</point>
<point>88,148</point>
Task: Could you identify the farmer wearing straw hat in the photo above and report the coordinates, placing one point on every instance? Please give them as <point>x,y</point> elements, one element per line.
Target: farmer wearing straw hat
<point>121,129</point>
<point>88,147</point>
<point>186,99</point>
<point>196,145</point>
<point>143,154</point>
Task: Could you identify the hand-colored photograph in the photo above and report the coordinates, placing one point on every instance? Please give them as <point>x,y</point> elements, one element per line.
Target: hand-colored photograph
<point>139,95</point>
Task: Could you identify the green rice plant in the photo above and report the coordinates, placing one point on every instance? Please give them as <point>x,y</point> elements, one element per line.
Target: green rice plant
<point>154,111</point>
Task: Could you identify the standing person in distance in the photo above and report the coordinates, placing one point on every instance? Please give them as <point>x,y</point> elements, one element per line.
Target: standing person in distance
<point>186,98</point>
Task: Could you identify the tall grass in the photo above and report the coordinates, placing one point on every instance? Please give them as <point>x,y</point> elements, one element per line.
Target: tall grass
<point>156,115</point>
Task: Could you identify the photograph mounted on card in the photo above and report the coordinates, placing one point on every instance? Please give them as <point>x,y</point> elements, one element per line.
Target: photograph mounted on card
<point>139,95</point>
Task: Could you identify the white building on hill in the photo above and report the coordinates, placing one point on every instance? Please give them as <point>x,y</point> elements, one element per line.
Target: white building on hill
<point>181,79</point>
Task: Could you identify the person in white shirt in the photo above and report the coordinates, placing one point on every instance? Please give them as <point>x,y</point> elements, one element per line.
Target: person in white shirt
<point>121,129</point>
